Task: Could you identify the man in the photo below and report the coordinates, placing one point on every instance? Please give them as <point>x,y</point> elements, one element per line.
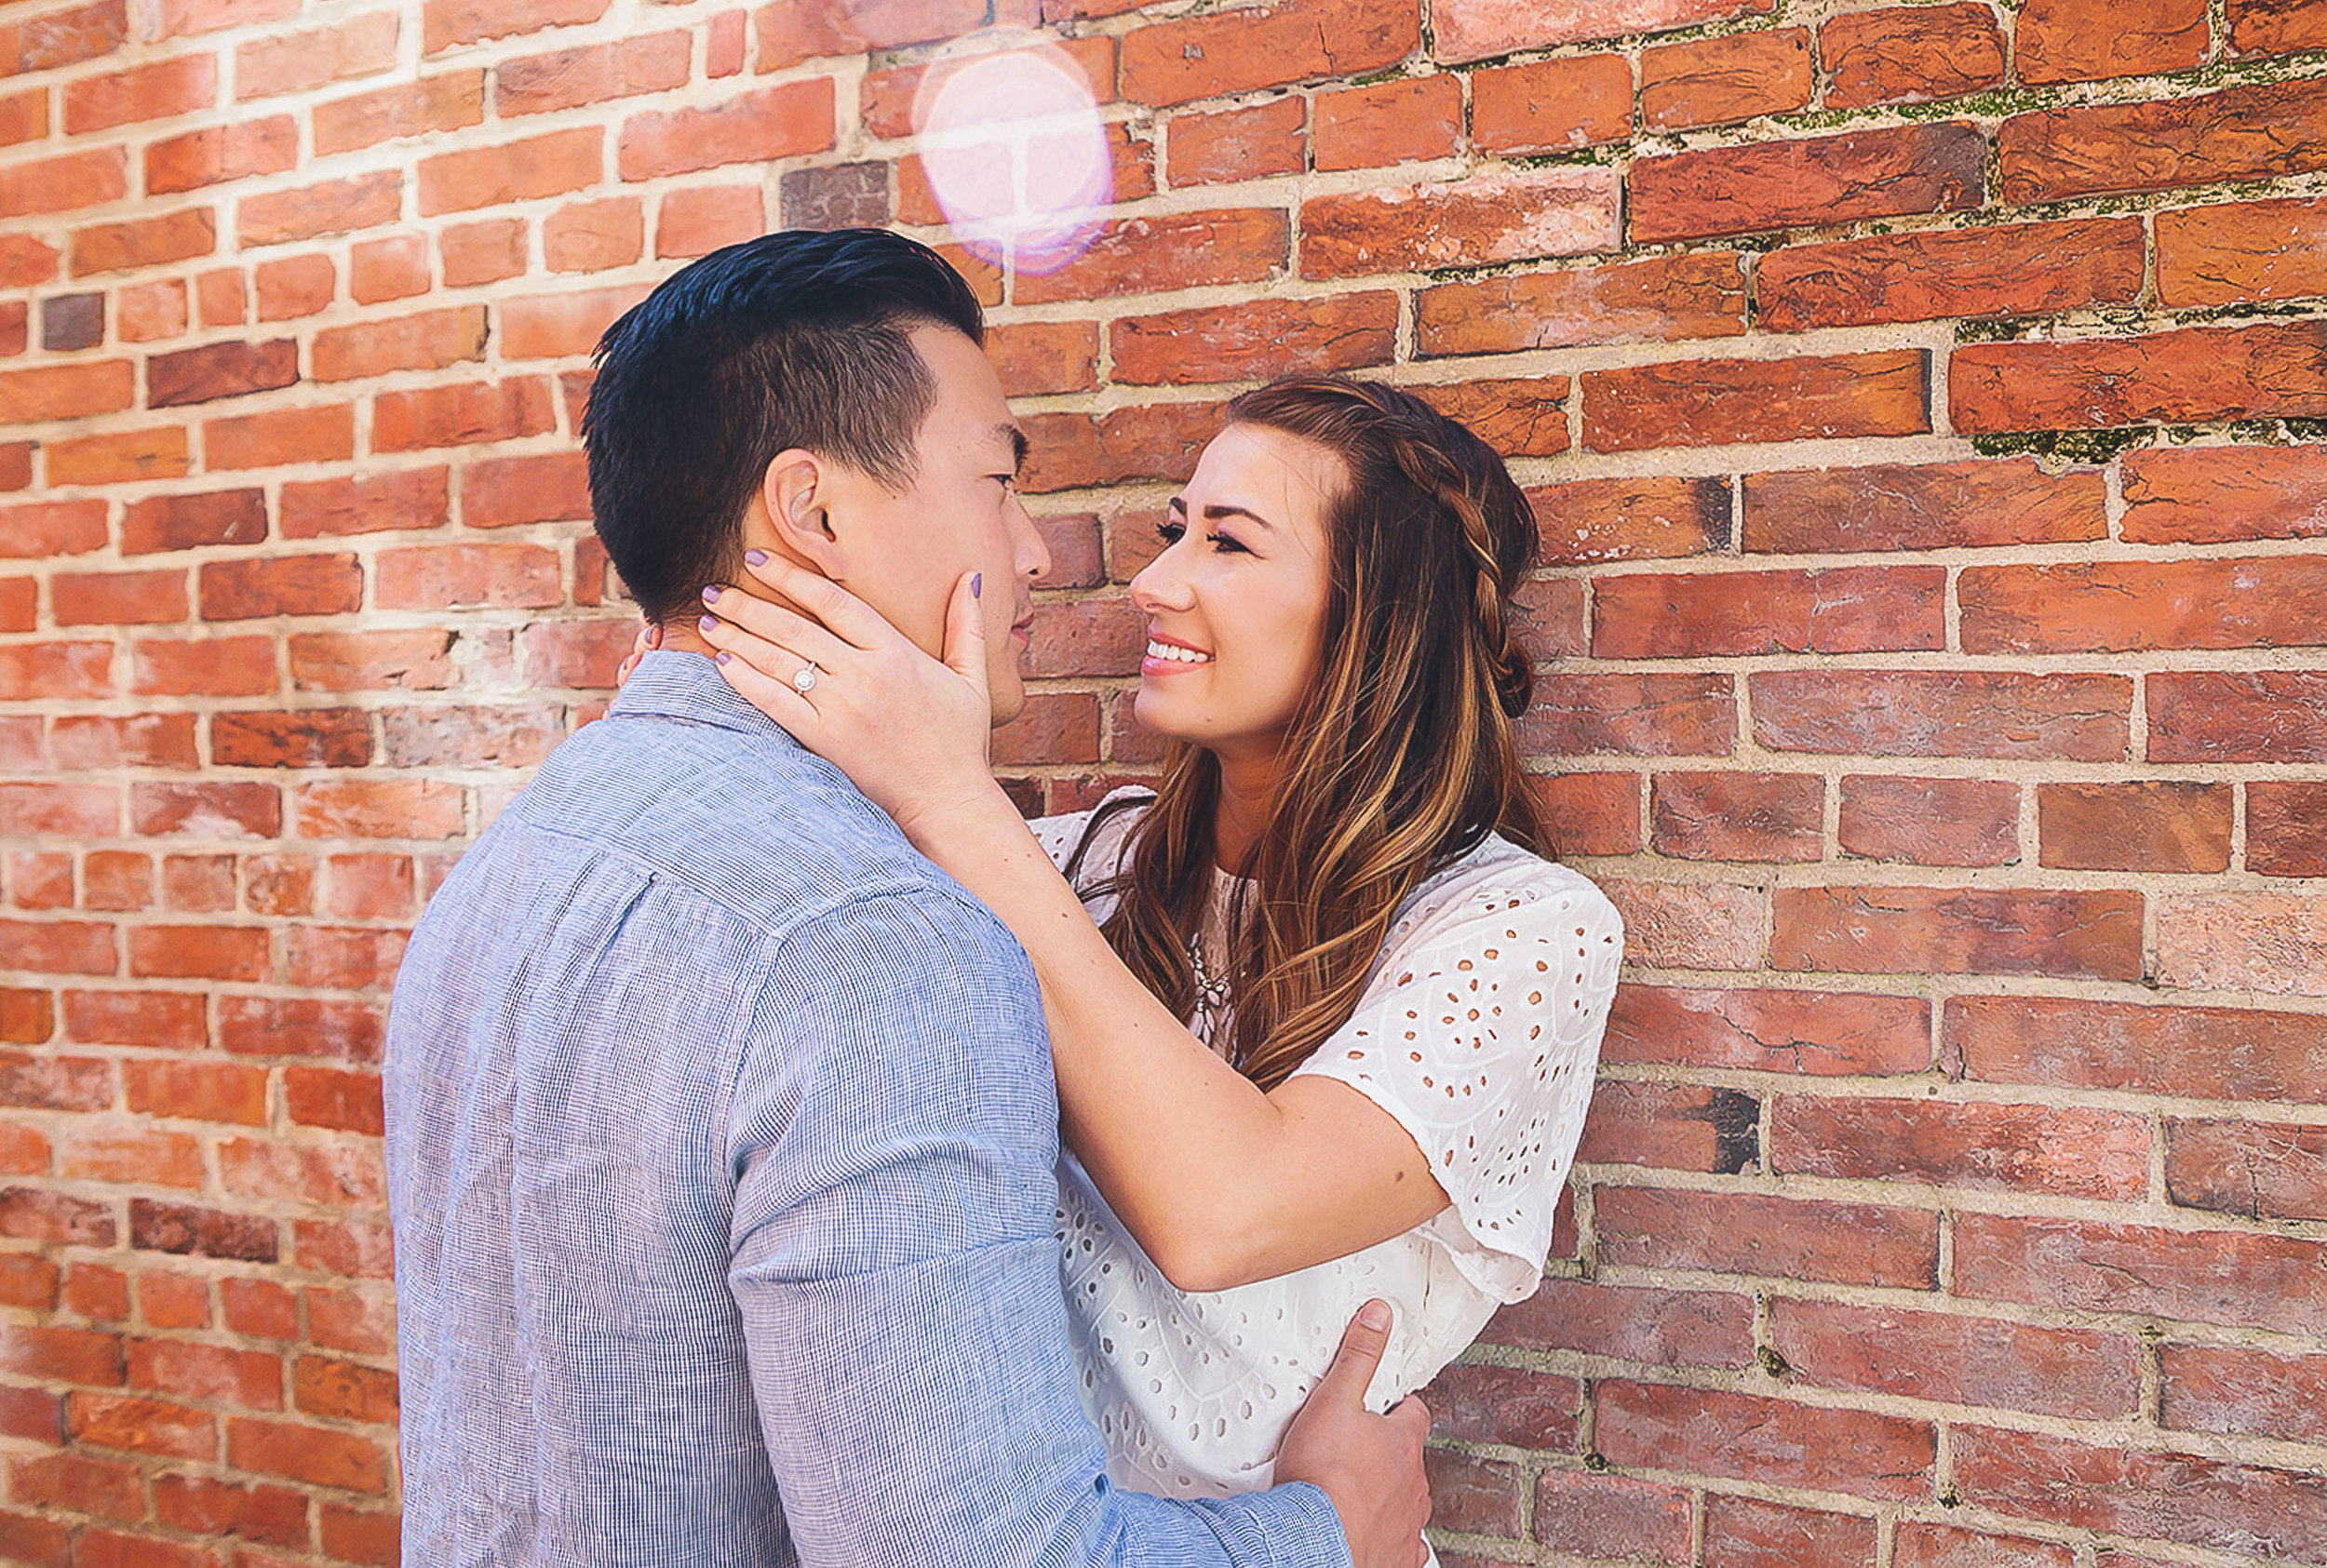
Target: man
<point>721,1126</point>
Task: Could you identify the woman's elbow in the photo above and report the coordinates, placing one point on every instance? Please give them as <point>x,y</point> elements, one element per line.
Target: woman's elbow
<point>1199,1261</point>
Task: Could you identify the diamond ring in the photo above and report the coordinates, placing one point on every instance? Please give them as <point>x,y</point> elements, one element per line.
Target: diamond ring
<point>805,681</point>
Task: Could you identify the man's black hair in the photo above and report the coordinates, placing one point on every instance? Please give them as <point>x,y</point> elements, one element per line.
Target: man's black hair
<point>798,339</point>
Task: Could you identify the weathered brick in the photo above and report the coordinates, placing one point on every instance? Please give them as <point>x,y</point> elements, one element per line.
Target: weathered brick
<point>2286,828</point>
<point>1552,105</point>
<point>446,23</point>
<point>219,153</point>
<point>1820,1033</point>
<point>1780,1238</point>
<point>312,585</point>
<point>428,342</point>
<point>1720,402</point>
<point>754,128</point>
<point>334,207</point>
<point>2207,1277</point>
<point>2226,1388</point>
<point>1470,29</point>
<point>2145,825</point>
<point>1881,930</point>
<point>1522,417</point>
<point>452,101</point>
<point>1180,250</point>
<point>1230,53</point>
<point>595,74</point>
<point>2262,1171</point>
<point>1636,715</point>
<point>1231,144</point>
<point>461,414</point>
<point>888,98</point>
<point>1719,81</point>
<point>1910,54</point>
<point>2235,252</point>
<point>2073,1153</point>
<point>1662,299</point>
<point>2239,133</point>
<point>2197,373</point>
<point>2253,941</point>
<point>1749,1532</point>
<point>1478,221</point>
<point>2080,1373</point>
<point>1943,713</point>
<point>1159,441</point>
<point>2272,715</point>
<point>2087,40</point>
<point>1761,186</point>
<point>791,31</point>
<point>1895,506</point>
<point>1931,821</point>
<point>1846,609</point>
<point>2016,270</point>
<point>1254,341</point>
<point>2276,26</point>
<point>1505,1404</point>
<point>1707,1432</point>
<point>231,369</point>
<point>1407,119</point>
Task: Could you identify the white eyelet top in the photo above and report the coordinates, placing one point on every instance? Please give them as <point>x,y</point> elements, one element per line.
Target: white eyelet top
<point>1479,1030</point>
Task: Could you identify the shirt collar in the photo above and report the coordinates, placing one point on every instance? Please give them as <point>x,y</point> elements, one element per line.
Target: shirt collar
<point>668,684</point>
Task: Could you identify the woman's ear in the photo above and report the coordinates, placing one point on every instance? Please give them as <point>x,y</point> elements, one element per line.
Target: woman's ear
<point>799,493</point>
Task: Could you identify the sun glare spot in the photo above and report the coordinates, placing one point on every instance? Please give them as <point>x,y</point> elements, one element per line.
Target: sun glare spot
<point>1014,153</point>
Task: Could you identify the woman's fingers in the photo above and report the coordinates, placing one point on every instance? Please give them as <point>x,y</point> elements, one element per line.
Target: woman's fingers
<point>743,617</point>
<point>772,695</point>
<point>844,612</point>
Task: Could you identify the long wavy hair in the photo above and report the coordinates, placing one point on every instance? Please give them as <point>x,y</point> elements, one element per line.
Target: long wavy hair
<point>1402,755</point>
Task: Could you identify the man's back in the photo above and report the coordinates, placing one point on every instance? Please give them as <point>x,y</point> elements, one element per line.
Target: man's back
<point>720,1148</point>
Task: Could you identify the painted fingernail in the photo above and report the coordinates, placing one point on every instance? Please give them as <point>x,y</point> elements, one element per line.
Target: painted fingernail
<point>709,622</point>
<point>723,656</point>
<point>756,558</point>
<point>712,594</point>
<point>978,586</point>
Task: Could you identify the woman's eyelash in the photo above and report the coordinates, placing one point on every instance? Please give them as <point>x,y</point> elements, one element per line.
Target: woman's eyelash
<point>1171,534</point>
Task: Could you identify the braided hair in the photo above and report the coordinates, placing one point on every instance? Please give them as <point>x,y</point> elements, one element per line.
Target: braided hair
<point>1403,755</point>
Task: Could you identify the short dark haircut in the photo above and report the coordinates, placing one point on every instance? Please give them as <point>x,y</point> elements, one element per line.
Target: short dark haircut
<point>792,340</point>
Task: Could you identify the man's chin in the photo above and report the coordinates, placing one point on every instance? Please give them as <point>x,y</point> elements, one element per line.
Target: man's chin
<point>1009,699</point>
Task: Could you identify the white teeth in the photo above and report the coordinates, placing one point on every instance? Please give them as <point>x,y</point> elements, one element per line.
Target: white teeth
<point>1179,654</point>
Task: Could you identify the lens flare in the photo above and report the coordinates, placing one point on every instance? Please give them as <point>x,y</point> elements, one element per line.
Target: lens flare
<point>1015,153</point>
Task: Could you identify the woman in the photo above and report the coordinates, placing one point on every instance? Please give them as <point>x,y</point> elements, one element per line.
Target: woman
<point>1325,1020</point>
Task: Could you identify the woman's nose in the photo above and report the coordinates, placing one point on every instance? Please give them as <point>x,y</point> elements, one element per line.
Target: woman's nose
<point>1157,588</point>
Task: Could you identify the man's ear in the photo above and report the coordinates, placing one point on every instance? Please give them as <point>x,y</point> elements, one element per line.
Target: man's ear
<point>799,491</point>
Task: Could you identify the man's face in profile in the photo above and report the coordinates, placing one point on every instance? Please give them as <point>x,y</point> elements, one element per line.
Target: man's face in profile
<point>959,514</point>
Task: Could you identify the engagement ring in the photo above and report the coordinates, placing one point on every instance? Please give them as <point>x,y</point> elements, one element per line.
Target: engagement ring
<point>805,681</point>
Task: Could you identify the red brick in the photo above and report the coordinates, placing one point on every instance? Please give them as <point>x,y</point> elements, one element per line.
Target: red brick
<point>277,884</point>
<point>2122,606</point>
<point>26,1017</point>
<point>157,90</point>
<point>229,369</point>
<point>500,493</point>
<point>247,1378</point>
<point>2279,716</point>
<point>197,1091</point>
<point>2102,1155</point>
<point>1393,122</point>
<point>314,1454</point>
<point>460,413</point>
<point>334,207</point>
<point>1672,1127</point>
<point>183,522</point>
<point>1719,81</point>
<point>30,1282</point>
<point>540,166</point>
<point>771,123</point>
<point>510,737</point>
<point>1086,638</point>
<point>1481,1403</point>
<point>117,598</point>
<point>1470,29</point>
<point>1605,1516</point>
<point>121,457</point>
<point>141,1426</point>
<point>292,287</point>
<point>306,738</point>
<point>791,31</point>
<point>1660,300</point>
<point>2021,270</point>
<point>1778,1237</point>
<point>312,585</point>
<point>1748,1533</point>
<point>1931,821</point>
<point>1825,1034</point>
<point>31,1215</point>
<point>2210,1277</point>
<point>595,236</point>
<point>1034,357</point>
<point>1653,1327</point>
<point>2276,26</point>
<point>2125,1490</point>
<point>888,97</point>
<point>1160,441</point>
<point>596,74</point>
<point>150,311</point>
<point>1738,816</point>
<point>210,666</point>
<point>63,392</point>
<point>1944,712</point>
<point>2271,1170</point>
<point>258,1309</point>
<point>205,1505</point>
<point>1816,181</point>
<point>1634,715</point>
<point>25,260</point>
<point>1920,1545</point>
<point>1478,221</point>
<point>1872,930</point>
<point>2198,374</point>
<point>190,1230</point>
<point>559,326</point>
<point>453,100</point>
<point>379,808</point>
<point>41,879</point>
<point>61,810</point>
<point>1170,252</point>
<point>62,1355</point>
<point>198,883</point>
<point>2257,132</point>
<point>483,252</point>
<point>174,1301</point>
<point>286,63</point>
<point>299,1026</point>
<point>414,498</point>
<point>1718,402</point>
<point>1232,144</point>
<point>1894,506</point>
<point>206,810</point>
<point>696,223</point>
<point>2286,828</point>
<point>394,268</point>
<point>1847,610</point>
<point>323,433</point>
<point>1910,54</point>
<point>1705,1432</point>
<point>62,184</point>
<point>2222,1388</point>
<point>1478,1496</point>
<point>415,660</point>
<point>1233,52</point>
<point>349,1101</point>
<point>219,153</point>
<point>58,527</point>
<point>198,952</point>
<point>1523,417</point>
<point>1254,341</point>
<point>31,671</point>
<point>82,1485</point>
<point>369,886</point>
<point>2143,825</point>
<point>42,1082</point>
<point>1552,106</point>
<point>19,603</point>
<point>2234,252</point>
<point>2087,40</point>
<point>448,22</point>
<point>338,1175</point>
<point>428,342</point>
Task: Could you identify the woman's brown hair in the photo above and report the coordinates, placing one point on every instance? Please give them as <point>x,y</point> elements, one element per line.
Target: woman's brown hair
<point>1402,756</point>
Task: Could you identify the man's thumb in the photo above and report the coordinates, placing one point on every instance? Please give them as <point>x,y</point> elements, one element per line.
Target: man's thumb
<point>965,632</point>
<point>1361,1346</point>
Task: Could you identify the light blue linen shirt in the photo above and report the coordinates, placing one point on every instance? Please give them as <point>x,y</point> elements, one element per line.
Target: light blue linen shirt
<point>722,1139</point>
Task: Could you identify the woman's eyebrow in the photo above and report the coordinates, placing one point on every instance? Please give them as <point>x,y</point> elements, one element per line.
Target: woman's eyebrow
<point>1214,514</point>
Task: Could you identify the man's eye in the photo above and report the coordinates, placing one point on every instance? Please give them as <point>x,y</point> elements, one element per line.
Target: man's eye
<point>1009,481</point>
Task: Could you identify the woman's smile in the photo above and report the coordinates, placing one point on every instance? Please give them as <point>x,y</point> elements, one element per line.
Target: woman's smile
<point>1170,656</point>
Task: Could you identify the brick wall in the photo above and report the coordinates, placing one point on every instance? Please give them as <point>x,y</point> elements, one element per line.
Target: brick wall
<point>1918,400</point>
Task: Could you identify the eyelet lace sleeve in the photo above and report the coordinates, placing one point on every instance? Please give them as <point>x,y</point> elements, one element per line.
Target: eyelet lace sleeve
<point>1480,1034</point>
